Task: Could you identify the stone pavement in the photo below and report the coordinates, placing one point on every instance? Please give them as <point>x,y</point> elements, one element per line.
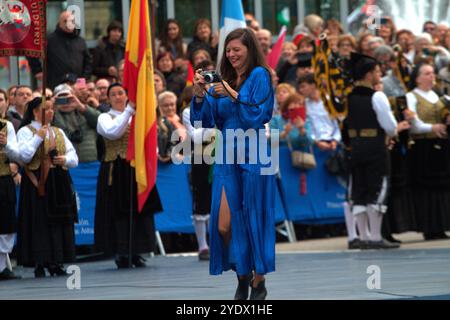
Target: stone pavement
<point>319,269</point>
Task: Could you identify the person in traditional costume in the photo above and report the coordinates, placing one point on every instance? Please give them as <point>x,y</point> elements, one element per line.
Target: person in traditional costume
<point>47,206</point>
<point>430,154</point>
<point>117,190</point>
<point>9,152</point>
<point>369,121</point>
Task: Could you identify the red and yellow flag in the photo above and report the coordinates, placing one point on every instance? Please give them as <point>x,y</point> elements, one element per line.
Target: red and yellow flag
<point>138,80</point>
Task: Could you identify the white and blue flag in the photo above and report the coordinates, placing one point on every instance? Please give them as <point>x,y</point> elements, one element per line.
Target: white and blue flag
<point>232,17</point>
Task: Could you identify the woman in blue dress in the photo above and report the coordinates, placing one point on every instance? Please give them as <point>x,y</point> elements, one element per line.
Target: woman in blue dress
<point>242,235</point>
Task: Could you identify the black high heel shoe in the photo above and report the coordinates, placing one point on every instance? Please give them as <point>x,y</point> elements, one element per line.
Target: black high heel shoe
<point>39,271</point>
<point>122,262</point>
<point>138,262</point>
<point>260,292</point>
<point>56,269</point>
<point>243,287</point>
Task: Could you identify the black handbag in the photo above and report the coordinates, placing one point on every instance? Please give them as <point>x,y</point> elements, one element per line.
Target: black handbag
<point>337,164</point>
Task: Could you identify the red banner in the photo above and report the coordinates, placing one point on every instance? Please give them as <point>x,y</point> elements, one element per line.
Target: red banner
<point>22,28</point>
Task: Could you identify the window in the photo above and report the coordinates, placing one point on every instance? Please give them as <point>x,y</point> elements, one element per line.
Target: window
<point>98,15</point>
<point>327,9</point>
<point>188,11</point>
<point>273,8</point>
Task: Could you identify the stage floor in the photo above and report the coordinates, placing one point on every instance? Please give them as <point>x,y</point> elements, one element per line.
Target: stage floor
<point>405,273</point>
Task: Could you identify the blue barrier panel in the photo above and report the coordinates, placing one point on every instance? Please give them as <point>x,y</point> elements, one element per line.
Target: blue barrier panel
<point>325,193</point>
<point>175,193</point>
<point>85,181</point>
<point>321,204</point>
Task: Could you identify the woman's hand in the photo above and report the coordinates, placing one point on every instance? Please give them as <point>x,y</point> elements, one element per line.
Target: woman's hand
<point>440,130</point>
<point>299,123</point>
<point>59,160</point>
<point>324,146</point>
<point>409,115</point>
<point>14,168</point>
<point>112,71</point>
<point>42,131</point>
<point>333,145</point>
<point>3,139</point>
<point>215,39</point>
<point>93,102</point>
<point>224,89</point>
<point>199,84</point>
<point>402,126</point>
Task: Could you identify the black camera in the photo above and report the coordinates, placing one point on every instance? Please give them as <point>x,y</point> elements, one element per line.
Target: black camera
<point>211,77</point>
<point>75,136</point>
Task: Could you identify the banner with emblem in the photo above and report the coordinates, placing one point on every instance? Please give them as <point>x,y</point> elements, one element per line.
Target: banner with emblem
<point>22,28</point>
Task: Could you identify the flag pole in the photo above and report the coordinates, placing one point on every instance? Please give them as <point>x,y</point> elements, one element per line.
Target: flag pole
<point>130,240</point>
<point>43,178</point>
<point>152,20</point>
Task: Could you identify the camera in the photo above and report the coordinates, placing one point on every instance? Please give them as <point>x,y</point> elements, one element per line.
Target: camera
<point>211,77</point>
<point>428,52</point>
<point>62,101</point>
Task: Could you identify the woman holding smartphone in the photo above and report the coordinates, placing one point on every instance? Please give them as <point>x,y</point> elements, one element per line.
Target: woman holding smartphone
<point>46,220</point>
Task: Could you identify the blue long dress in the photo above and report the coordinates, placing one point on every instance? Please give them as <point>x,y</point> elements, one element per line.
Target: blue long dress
<point>250,194</point>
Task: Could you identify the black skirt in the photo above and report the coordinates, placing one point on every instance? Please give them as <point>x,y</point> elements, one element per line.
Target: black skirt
<point>400,215</point>
<point>46,224</point>
<point>112,211</point>
<point>201,189</point>
<point>431,184</point>
<point>8,221</point>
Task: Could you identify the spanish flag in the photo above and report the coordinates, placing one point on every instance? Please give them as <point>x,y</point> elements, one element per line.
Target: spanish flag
<point>138,80</point>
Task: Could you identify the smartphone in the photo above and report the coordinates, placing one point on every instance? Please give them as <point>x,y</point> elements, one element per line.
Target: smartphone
<point>297,113</point>
<point>402,105</point>
<point>53,154</point>
<point>62,100</point>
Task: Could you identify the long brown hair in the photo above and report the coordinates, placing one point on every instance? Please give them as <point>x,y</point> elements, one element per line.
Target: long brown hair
<point>5,94</point>
<point>176,43</point>
<point>255,57</point>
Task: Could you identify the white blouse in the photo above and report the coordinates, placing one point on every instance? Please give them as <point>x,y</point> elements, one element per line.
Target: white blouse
<point>11,148</point>
<point>417,125</point>
<point>114,129</point>
<point>29,144</point>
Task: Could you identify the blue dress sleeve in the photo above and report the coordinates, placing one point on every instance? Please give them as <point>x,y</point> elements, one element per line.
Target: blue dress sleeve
<point>256,90</point>
<point>204,111</point>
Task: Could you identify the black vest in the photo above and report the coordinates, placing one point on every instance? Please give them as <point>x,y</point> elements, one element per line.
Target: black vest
<point>364,131</point>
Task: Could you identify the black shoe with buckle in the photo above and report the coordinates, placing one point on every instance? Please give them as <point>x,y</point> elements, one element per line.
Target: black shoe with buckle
<point>57,270</point>
<point>354,244</point>
<point>364,244</point>
<point>122,262</point>
<point>8,275</point>
<point>39,271</point>
<point>391,239</point>
<point>138,262</point>
<point>243,287</point>
<point>260,292</point>
<point>383,244</point>
<point>203,255</point>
